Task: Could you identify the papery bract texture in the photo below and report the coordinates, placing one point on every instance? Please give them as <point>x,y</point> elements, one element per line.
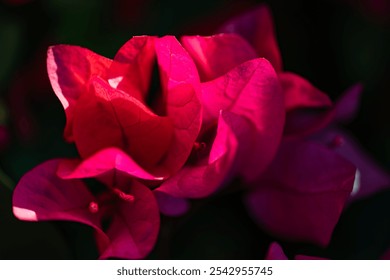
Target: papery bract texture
<point>216,55</point>
<point>302,194</point>
<point>257,28</point>
<point>370,177</point>
<point>234,82</point>
<point>250,90</point>
<point>105,101</point>
<point>70,68</point>
<point>134,217</point>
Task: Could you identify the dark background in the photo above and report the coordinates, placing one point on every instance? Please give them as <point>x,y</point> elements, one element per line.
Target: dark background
<point>333,43</point>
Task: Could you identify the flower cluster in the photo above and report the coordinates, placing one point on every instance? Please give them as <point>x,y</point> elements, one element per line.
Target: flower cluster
<point>223,108</point>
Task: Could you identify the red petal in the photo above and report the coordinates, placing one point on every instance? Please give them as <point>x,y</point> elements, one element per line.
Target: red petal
<point>251,90</point>
<point>216,55</point>
<point>109,162</point>
<point>132,67</point>
<point>110,118</point>
<point>135,226</point>
<point>257,27</point>
<point>180,90</point>
<point>202,178</point>
<point>303,193</point>
<point>275,252</point>
<point>42,196</point>
<point>69,69</point>
<point>299,93</point>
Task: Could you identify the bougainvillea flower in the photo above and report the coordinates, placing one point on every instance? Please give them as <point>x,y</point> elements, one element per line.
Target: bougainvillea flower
<point>275,252</point>
<point>234,80</point>
<point>243,116</point>
<point>302,194</point>
<point>106,101</point>
<point>125,216</point>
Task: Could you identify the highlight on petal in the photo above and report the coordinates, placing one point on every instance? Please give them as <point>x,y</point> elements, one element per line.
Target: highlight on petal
<point>302,194</point>
<point>108,162</point>
<point>206,175</point>
<point>131,69</point>
<point>115,119</point>
<point>300,93</point>
<point>216,55</point>
<point>371,178</point>
<point>134,227</point>
<point>69,69</point>
<point>257,27</point>
<point>180,90</point>
<point>251,90</point>
<point>42,196</point>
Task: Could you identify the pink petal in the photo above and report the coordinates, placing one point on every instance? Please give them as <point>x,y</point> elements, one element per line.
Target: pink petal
<point>135,226</point>
<point>110,162</point>
<point>69,69</point>
<point>180,90</point>
<point>299,93</point>
<point>275,252</point>
<point>348,104</point>
<point>301,123</point>
<point>304,122</point>
<point>216,55</point>
<point>303,193</point>
<point>170,205</point>
<point>132,66</point>
<point>371,178</point>
<point>41,196</point>
<point>257,27</point>
<point>106,117</point>
<point>203,177</point>
<point>251,90</point>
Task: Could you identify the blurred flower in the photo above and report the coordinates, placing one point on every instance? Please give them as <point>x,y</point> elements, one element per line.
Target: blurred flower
<point>30,85</point>
<point>377,10</point>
